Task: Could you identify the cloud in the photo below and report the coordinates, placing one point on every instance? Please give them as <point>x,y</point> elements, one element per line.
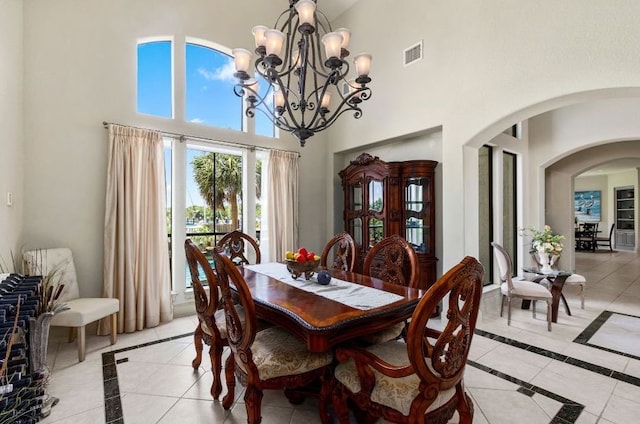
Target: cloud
<point>197,121</point>
<point>223,73</point>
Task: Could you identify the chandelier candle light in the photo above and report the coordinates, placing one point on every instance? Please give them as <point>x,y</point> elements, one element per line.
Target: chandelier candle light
<point>301,82</point>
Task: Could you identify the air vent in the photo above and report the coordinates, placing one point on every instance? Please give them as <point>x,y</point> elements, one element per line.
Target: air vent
<point>413,54</point>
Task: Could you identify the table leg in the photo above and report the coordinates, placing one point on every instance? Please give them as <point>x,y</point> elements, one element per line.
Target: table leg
<point>556,292</point>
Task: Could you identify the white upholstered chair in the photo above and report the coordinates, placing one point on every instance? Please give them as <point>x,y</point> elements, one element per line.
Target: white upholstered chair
<point>522,289</point>
<point>82,311</point>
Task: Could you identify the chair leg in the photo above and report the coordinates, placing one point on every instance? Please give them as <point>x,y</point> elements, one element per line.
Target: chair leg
<point>548,315</point>
<point>215,355</point>
<point>509,310</point>
<point>465,405</point>
<point>325,395</point>
<point>253,403</point>
<point>340,400</point>
<point>502,304</point>
<point>533,307</point>
<point>197,342</point>
<point>583,288</point>
<point>72,334</point>
<point>114,328</point>
<point>229,373</point>
<point>81,346</point>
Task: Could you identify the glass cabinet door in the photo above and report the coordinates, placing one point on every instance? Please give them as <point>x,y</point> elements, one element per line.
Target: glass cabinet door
<point>376,202</point>
<point>416,213</point>
<point>356,196</point>
<point>356,230</point>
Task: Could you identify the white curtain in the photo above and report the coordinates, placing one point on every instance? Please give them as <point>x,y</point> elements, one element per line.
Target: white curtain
<point>136,256</point>
<point>282,198</point>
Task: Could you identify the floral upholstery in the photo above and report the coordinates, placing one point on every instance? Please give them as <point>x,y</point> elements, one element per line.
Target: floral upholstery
<point>278,353</point>
<point>386,335</point>
<point>395,393</point>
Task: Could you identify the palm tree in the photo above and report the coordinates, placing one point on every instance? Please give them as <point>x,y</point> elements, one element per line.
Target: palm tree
<point>228,181</point>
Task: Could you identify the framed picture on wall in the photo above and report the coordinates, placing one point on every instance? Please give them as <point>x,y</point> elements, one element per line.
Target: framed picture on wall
<point>586,205</point>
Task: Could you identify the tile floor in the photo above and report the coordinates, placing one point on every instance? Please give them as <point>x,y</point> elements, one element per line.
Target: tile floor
<point>587,370</point>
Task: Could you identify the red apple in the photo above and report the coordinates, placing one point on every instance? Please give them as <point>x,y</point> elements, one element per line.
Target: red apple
<point>311,256</point>
<point>303,252</point>
<point>301,258</point>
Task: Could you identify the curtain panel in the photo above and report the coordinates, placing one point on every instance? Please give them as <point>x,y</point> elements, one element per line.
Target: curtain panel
<point>136,256</point>
<point>282,200</point>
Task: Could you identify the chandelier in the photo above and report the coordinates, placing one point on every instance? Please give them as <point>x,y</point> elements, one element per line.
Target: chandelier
<point>301,81</point>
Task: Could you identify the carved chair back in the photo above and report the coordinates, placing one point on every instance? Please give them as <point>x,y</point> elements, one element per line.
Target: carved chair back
<point>388,386</point>
<point>394,260</point>
<point>344,253</point>
<point>235,244</point>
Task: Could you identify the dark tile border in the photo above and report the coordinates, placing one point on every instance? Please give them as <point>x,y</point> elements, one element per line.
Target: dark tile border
<point>112,403</point>
<point>568,412</point>
<point>584,337</point>
<point>607,372</point>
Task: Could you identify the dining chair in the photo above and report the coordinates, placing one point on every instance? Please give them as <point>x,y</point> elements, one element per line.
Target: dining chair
<point>234,244</point>
<point>270,359</point>
<point>422,380</point>
<point>394,260</point>
<point>603,241</point>
<point>586,239</point>
<point>342,248</point>
<point>81,310</point>
<point>211,328</point>
<point>519,288</point>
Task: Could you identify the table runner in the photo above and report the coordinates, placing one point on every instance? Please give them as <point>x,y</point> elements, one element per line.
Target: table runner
<point>345,292</point>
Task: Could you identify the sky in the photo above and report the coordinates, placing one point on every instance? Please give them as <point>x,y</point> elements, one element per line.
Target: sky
<point>209,99</point>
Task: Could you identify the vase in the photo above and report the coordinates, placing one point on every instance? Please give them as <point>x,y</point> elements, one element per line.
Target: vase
<point>546,261</point>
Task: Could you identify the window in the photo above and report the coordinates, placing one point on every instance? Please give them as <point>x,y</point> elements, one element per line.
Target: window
<point>155,77</point>
<point>210,99</point>
<point>509,207</point>
<point>485,208</point>
<point>214,181</point>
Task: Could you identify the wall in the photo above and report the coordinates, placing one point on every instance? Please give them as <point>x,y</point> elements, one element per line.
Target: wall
<point>80,70</point>
<point>600,183</point>
<point>11,139</point>
<point>486,66</point>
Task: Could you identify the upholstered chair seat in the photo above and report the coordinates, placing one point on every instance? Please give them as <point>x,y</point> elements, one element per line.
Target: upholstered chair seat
<point>278,353</point>
<point>578,280</point>
<point>394,393</point>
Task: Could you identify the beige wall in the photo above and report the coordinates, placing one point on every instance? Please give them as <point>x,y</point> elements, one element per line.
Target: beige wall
<point>486,66</point>
<point>11,135</point>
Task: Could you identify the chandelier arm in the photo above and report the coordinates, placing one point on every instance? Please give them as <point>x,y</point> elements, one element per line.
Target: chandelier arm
<point>329,121</point>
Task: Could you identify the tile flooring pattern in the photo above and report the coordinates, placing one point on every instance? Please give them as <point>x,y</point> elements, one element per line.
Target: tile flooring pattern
<point>587,370</point>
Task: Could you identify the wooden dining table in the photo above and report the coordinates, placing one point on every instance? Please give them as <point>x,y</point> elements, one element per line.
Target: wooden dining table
<point>320,321</point>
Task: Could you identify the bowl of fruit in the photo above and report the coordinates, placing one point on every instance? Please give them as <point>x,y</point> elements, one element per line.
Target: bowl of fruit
<point>302,262</point>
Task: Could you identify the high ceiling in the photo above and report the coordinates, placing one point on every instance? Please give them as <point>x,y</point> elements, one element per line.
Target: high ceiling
<point>613,167</point>
<point>334,8</point>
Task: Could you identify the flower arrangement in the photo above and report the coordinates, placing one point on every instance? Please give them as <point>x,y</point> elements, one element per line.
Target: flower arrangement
<point>546,241</point>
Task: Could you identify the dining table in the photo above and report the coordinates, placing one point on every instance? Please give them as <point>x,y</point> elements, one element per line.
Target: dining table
<point>557,278</point>
<point>349,306</point>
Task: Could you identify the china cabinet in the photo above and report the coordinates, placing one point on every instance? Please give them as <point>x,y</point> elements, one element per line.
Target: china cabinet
<point>384,198</point>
